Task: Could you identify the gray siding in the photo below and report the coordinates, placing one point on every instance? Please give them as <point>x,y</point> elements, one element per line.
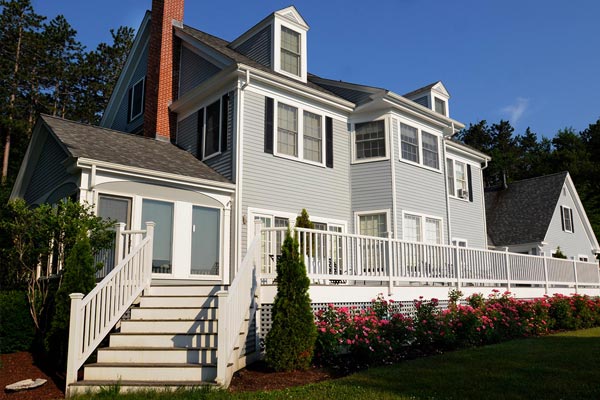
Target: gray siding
<point>276,183</point>
<point>258,47</point>
<point>571,244</point>
<point>194,70</point>
<point>120,123</point>
<point>371,186</point>
<point>49,172</point>
<point>187,139</point>
<point>467,218</point>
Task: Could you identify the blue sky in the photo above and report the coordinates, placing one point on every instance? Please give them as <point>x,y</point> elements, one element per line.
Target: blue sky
<point>533,62</point>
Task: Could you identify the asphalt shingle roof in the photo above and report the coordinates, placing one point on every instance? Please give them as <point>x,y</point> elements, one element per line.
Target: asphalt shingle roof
<point>97,143</point>
<point>522,212</point>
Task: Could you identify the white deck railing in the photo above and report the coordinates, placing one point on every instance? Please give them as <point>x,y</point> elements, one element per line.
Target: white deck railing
<point>338,258</point>
<point>237,306</point>
<point>93,316</point>
<point>123,241</point>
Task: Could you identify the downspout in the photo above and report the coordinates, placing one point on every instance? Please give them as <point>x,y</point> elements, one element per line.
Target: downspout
<point>446,186</point>
<point>394,123</point>
<point>238,173</point>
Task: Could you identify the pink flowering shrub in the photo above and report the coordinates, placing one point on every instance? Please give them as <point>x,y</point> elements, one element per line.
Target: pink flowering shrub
<point>355,338</point>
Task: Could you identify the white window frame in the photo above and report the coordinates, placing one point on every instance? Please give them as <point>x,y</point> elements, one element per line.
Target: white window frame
<point>585,258</point>
<point>571,218</point>
<point>276,49</point>
<point>358,214</point>
<point>457,241</point>
<point>456,186</point>
<point>420,130</point>
<point>300,139</point>
<point>386,130</point>
<point>423,218</point>
<point>220,151</point>
<point>435,98</point>
<point>132,88</point>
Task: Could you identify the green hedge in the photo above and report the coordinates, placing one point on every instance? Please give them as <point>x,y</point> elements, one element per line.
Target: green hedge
<point>16,326</point>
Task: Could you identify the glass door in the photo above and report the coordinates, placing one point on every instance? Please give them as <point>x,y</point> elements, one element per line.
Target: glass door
<point>206,228</point>
<point>161,213</point>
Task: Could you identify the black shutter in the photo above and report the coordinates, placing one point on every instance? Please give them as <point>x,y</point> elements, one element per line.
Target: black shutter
<point>329,142</point>
<point>470,182</point>
<point>129,96</point>
<point>562,217</point>
<point>572,221</point>
<point>269,115</point>
<point>224,119</point>
<point>200,143</point>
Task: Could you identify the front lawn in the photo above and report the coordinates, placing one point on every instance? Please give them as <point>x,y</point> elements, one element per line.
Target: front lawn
<point>561,366</point>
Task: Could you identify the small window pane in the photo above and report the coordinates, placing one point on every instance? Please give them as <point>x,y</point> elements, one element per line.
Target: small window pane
<point>412,228</point>
<point>162,214</point>
<point>117,209</point>
<point>206,230</point>
<point>461,176</point>
<point>433,231</point>
<point>370,139</point>
<point>212,129</point>
<point>409,138</point>
<point>430,150</point>
<point>290,51</point>
<point>440,106</point>
<point>373,225</point>
<point>137,100</point>
<point>313,137</point>
<point>450,174</point>
<point>567,219</point>
<point>287,129</point>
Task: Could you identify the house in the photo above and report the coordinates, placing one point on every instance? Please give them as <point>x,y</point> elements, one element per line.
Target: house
<point>207,152</point>
<point>539,215</point>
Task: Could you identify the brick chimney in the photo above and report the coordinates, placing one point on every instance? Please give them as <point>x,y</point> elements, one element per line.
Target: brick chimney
<point>162,74</point>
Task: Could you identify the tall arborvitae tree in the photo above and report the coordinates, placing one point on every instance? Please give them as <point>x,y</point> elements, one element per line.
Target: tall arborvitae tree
<point>290,342</point>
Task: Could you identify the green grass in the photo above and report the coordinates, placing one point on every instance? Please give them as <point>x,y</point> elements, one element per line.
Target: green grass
<point>562,366</point>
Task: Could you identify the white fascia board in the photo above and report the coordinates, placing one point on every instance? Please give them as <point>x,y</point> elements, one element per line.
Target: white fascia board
<point>87,163</point>
<point>581,210</point>
<point>423,112</point>
<point>126,72</point>
<point>466,150</point>
<point>300,21</point>
<point>202,50</point>
<point>296,88</point>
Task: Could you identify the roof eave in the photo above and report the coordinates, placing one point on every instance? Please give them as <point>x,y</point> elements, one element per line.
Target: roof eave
<point>411,105</point>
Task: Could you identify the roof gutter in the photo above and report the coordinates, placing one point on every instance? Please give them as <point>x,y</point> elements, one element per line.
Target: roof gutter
<point>430,115</point>
<point>87,163</point>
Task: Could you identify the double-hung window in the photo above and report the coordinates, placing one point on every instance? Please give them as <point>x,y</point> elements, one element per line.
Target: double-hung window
<point>567,219</point>
<point>313,137</point>
<point>420,228</point>
<point>212,128</point>
<point>373,224</point>
<point>419,147</point>
<point>287,130</point>
<point>440,106</point>
<point>458,180</point>
<point>290,51</point>
<point>369,140</point>
<point>430,150</point>
<point>409,137</point>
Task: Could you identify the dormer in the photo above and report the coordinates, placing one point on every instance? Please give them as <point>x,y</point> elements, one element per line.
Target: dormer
<point>433,96</point>
<point>278,42</point>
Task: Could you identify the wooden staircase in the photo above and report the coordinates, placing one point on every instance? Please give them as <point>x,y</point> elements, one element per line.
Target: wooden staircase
<point>170,341</point>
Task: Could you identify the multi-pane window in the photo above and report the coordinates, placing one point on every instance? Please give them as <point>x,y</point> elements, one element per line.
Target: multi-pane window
<point>459,242</point>
<point>136,100</point>
<point>430,150</point>
<point>290,51</point>
<point>409,137</point>
<point>280,222</point>
<point>373,224</point>
<point>412,228</point>
<point>370,139</point>
<point>433,231</point>
<point>440,106</point>
<point>458,183</point>
<point>418,228</point>
<point>313,137</point>
<point>567,219</point>
<point>212,132</point>
<point>287,130</point>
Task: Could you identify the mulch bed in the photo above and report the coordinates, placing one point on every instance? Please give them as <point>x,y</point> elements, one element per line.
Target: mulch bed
<point>18,366</point>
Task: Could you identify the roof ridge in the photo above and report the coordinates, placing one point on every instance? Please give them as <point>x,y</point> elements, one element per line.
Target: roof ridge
<point>540,177</point>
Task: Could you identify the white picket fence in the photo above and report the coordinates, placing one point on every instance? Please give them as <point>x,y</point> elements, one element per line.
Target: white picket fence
<point>341,258</point>
<point>93,316</point>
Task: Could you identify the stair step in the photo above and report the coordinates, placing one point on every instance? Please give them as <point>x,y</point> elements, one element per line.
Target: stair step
<point>185,290</point>
<point>90,386</point>
<point>179,301</point>
<point>165,339</point>
<point>165,355</point>
<point>150,372</point>
<point>159,326</point>
<point>170,313</point>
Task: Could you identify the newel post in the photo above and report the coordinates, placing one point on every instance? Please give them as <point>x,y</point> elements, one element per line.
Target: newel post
<point>457,263</point>
<point>119,242</point>
<point>575,272</point>
<point>546,274</point>
<point>390,260</point>
<point>149,252</point>
<point>507,261</point>
<point>75,339</point>
<point>223,346</point>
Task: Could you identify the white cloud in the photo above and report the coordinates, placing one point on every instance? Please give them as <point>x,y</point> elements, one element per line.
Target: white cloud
<point>515,111</point>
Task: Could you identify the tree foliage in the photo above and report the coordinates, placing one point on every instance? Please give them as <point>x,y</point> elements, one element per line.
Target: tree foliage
<point>290,342</point>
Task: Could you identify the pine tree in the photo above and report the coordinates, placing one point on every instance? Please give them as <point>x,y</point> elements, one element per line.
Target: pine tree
<point>290,342</point>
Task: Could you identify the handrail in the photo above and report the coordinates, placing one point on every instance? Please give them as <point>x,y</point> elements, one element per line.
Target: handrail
<point>234,306</point>
<point>93,316</point>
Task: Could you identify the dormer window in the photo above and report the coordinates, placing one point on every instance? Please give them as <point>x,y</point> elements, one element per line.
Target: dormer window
<point>290,51</point>
<point>440,106</point>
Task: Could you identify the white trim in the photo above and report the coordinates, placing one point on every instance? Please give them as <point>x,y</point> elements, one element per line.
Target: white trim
<point>358,214</point>
<point>458,241</point>
<point>394,122</point>
<point>456,188</point>
<point>131,118</point>
<point>423,216</point>
<point>580,256</point>
<point>420,132</point>
<point>386,136</point>
<point>562,214</point>
<point>279,22</point>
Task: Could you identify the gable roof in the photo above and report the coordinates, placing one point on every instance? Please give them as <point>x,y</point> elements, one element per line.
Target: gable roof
<point>522,212</point>
<point>115,147</point>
